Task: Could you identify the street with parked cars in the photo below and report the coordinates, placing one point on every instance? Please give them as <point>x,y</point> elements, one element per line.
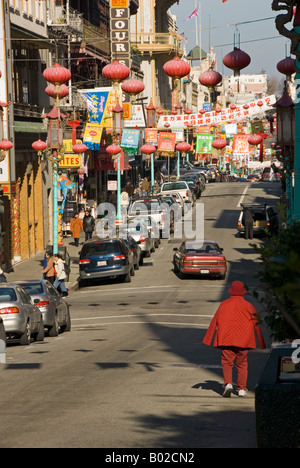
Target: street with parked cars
<point>140,301</point>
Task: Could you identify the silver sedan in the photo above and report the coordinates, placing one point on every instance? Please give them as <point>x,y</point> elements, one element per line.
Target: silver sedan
<point>21,318</point>
<point>54,309</point>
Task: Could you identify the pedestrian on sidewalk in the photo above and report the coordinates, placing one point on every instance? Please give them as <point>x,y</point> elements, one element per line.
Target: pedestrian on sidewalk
<point>76,226</point>
<point>235,324</point>
<point>88,224</point>
<point>3,278</point>
<point>49,271</point>
<point>61,275</point>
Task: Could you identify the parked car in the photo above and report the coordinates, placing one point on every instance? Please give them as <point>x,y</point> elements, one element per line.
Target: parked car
<point>22,319</point>
<point>151,206</point>
<point>193,186</point>
<point>197,177</point>
<point>2,330</point>
<point>264,218</point>
<point>153,232</point>
<point>140,233</point>
<point>135,249</point>
<point>200,258</point>
<point>253,178</point>
<point>181,187</point>
<point>105,258</point>
<point>54,309</point>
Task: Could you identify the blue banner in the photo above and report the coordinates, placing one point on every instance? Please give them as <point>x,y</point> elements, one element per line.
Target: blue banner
<point>130,138</point>
<point>96,102</point>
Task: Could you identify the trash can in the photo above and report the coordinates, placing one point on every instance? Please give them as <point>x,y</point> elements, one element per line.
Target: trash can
<point>277,400</point>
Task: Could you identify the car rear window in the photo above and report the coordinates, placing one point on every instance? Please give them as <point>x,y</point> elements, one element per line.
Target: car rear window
<point>101,248</point>
<point>33,288</point>
<point>7,295</point>
<point>199,248</point>
<point>174,186</point>
<point>151,205</point>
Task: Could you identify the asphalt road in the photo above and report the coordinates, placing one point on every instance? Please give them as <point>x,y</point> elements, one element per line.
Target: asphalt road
<point>133,372</point>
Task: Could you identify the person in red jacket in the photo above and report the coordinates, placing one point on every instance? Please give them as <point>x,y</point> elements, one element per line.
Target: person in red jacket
<point>234,326</point>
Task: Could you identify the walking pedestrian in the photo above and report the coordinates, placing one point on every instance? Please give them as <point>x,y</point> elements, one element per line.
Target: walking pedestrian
<point>235,324</point>
<point>76,226</point>
<point>145,186</point>
<point>248,221</point>
<point>49,270</point>
<point>61,275</point>
<point>124,204</point>
<point>88,225</point>
<point>3,278</point>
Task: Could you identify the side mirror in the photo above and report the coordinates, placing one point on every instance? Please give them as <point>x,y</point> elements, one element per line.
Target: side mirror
<point>175,249</point>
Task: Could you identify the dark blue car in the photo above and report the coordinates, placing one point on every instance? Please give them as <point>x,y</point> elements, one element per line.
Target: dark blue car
<point>105,258</point>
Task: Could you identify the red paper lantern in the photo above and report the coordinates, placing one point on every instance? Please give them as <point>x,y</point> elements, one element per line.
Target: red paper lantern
<point>57,74</point>
<point>167,125</point>
<point>6,145</point>
<point>177,68</point>
<point>233,107</point>
<point>246,106</point>
<point>174,112</point>
<point>79,148</point>
<point>81,171</point>
<point>55,92</point>
<point>255,140</point>
<point>183,147</point>
<point>113,149</point>
<point>237,60</point>
<point>187,111</point>
<point>210,78</point>
<point>287,66</point>
<point>148,149</point>
<point>39,146</point>
<point>116,72</point>
<point>219,143</point>
<point>133,87</point>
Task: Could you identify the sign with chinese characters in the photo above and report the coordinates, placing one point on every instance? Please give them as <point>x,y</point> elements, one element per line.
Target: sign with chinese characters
<point>92,135</point>
<point>130,140</point>
<point>204,144</point>
<point>239,114</point>
<point>166,142</point>
<point>240,145</point>
<point>137,118</point>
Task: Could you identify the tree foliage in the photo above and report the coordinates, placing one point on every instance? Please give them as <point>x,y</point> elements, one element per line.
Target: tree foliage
<point>279,277</point>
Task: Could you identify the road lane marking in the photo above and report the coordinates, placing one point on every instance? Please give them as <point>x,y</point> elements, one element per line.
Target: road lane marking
<point>243,196</point>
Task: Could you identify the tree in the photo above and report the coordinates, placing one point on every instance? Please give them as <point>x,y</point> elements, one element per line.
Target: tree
<point>279,277</point>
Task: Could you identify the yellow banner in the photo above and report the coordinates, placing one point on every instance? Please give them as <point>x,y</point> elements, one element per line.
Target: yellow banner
<point>93,133</point>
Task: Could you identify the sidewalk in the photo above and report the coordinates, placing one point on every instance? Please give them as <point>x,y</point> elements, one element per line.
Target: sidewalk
<point>31,269</point>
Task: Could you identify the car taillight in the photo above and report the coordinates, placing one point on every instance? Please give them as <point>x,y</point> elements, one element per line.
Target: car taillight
<point>43,304</point>
<point>9,310</point>
<point>239,224</point>
<point>119,257</point>
<point>142,239</point>
<point>131,250</point>
<point>163,218</point>
<point>86,261</point>
<point>187,194</point>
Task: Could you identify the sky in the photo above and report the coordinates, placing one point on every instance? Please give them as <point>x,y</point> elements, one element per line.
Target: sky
<point>260,39</point>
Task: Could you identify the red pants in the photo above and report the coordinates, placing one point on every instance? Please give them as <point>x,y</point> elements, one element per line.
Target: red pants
<point>240,355</point>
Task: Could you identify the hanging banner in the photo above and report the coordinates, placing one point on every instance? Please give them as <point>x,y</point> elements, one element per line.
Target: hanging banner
<point>204,143</point>
<point>151,136</point>
<point>137,118</point>
<point>166,142</point>
<point>240,145</point>
<point>96,101</point>
<point>130,141</point>
<point>92,136</point>
<point>239,114</point>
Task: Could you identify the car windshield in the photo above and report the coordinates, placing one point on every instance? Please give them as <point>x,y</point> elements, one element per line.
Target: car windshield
<point>8,295</point>
<point>196,248</point>
<point>174,186</point>
<point>33,288</point>
<point>101,248</point>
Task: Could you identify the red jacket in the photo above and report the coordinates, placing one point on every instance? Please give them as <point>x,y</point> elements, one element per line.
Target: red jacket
<point>235,323</point>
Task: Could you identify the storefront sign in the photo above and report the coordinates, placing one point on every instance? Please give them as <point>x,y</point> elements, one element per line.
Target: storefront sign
<point>71,160</point>
<point>240,145</point>
<point>151,136</point>
<point>130,140</point>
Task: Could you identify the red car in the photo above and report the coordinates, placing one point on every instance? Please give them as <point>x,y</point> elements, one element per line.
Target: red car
<point>200,258</point>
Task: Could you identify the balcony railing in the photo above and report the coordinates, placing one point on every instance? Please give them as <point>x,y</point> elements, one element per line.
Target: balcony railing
<point>157,42</point>
<point>63,18</point>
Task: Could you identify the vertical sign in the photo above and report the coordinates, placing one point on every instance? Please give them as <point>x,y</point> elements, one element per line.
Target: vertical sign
<point>120,33</point>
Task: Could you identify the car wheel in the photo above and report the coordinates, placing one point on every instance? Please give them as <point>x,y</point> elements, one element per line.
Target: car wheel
<point>132,272</point>
<point>40,335</point>
<point>137,266</point>
<point>176,270</point>
<point>127,278</point>
<point>141,262</point>
<point>26,338</point>
<point>53,331</point>
<point>67,326</point>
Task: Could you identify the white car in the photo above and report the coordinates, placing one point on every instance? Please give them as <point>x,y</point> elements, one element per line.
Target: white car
<point>180,187</point>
